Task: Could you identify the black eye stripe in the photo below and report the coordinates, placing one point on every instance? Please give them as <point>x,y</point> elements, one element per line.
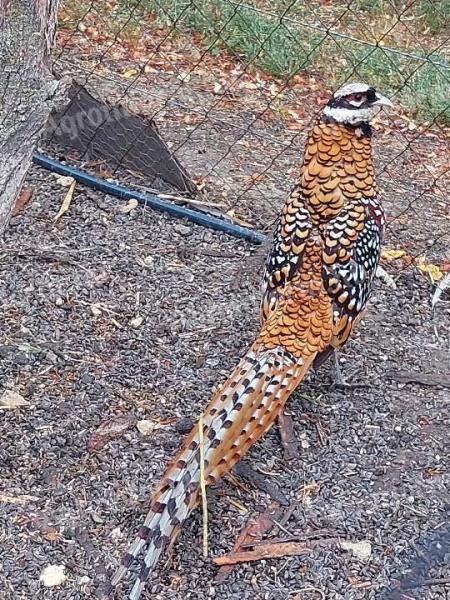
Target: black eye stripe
<point>371,95</point>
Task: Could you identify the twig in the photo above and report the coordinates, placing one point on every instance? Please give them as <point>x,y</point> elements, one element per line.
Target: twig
<point>261,552</point>
<point>428,583</point>
<point>287,433</point>
<point>427,379</point>
<point>270,550</point>
<point>203,488</point>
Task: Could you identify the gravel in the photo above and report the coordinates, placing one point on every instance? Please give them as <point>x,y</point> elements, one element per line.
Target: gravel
<point>110,319</point>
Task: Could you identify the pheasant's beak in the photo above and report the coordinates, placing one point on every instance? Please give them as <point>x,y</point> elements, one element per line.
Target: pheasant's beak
<point>382,101</point>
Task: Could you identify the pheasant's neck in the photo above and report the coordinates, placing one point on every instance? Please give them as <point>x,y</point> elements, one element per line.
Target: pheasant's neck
<point>337,169</point>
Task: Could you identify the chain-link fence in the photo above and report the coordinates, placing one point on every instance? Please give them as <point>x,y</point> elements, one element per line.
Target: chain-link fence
<point>233,87</point>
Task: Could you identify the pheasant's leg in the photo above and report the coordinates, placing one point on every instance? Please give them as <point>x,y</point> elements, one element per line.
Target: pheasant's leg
<point>342,382</point>
<point>288,440</point>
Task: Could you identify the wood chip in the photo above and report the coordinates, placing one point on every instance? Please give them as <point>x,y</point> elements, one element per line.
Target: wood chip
<point>441,288</point>
<point>22,499</point>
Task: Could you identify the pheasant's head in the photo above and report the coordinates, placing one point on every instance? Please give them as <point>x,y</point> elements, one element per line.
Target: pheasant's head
<point>355,104</point>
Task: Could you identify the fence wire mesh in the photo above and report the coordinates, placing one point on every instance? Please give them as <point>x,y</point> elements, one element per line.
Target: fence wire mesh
<point>234,86</point>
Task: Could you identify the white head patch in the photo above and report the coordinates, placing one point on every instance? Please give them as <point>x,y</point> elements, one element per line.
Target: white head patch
<point>353,117</point>
<point>354,104</point>
<point>351,88</point>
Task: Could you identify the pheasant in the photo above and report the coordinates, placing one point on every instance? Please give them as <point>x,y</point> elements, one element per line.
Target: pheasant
<point>317,282</point>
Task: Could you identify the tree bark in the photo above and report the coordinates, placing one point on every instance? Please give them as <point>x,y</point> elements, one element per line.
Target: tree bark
<point>28,90</point>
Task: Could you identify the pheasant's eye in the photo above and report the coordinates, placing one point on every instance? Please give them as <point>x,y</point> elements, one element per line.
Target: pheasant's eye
<point>355,97</point>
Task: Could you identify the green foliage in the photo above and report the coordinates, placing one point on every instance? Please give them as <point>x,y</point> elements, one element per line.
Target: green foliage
<point>282,47</point>
<point>436,14</point>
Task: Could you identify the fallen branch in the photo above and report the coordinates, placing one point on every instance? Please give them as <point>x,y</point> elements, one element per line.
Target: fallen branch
<point>262,551</point>
<point>430,380</point>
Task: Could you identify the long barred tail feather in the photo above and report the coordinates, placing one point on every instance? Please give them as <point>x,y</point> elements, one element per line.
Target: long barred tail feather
<point>241,411</point>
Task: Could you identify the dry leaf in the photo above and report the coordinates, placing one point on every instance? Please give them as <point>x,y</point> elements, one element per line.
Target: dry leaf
<point>12,399</point>
<point>22,200</point>
<point>392,253</point>
<point>129,206</point>
<point>53,575</point>
<point>433,271</point>
<point>128,73</point>
<point>66,202</point>
<point>253,532</point>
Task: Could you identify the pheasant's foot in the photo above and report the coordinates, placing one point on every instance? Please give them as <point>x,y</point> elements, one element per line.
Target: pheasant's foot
<point>244,470</point>
<point>287,434</point>
<point>349,382</point>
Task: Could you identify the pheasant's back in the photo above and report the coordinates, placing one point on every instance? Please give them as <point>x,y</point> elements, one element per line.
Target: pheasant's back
<point>335,204</point>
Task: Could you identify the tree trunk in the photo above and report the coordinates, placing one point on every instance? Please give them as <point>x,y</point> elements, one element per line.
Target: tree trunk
<point>28,90</point>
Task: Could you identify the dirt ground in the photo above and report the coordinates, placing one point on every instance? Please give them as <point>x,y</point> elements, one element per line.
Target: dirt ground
<point>373,461</point>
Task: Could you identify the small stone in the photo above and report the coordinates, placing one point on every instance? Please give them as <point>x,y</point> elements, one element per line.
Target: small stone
<point>145,426</point>
<point>51,357</point>
<point>182,229</point>
<point>362,550</point>
<point>59,301</point>
<point>129,206</point>
<point>65,181</point>
<point>136,322</point>
<point>116,534</point>
<point>97,518</point>
<point>53,575</point>
<point>95,310</point>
